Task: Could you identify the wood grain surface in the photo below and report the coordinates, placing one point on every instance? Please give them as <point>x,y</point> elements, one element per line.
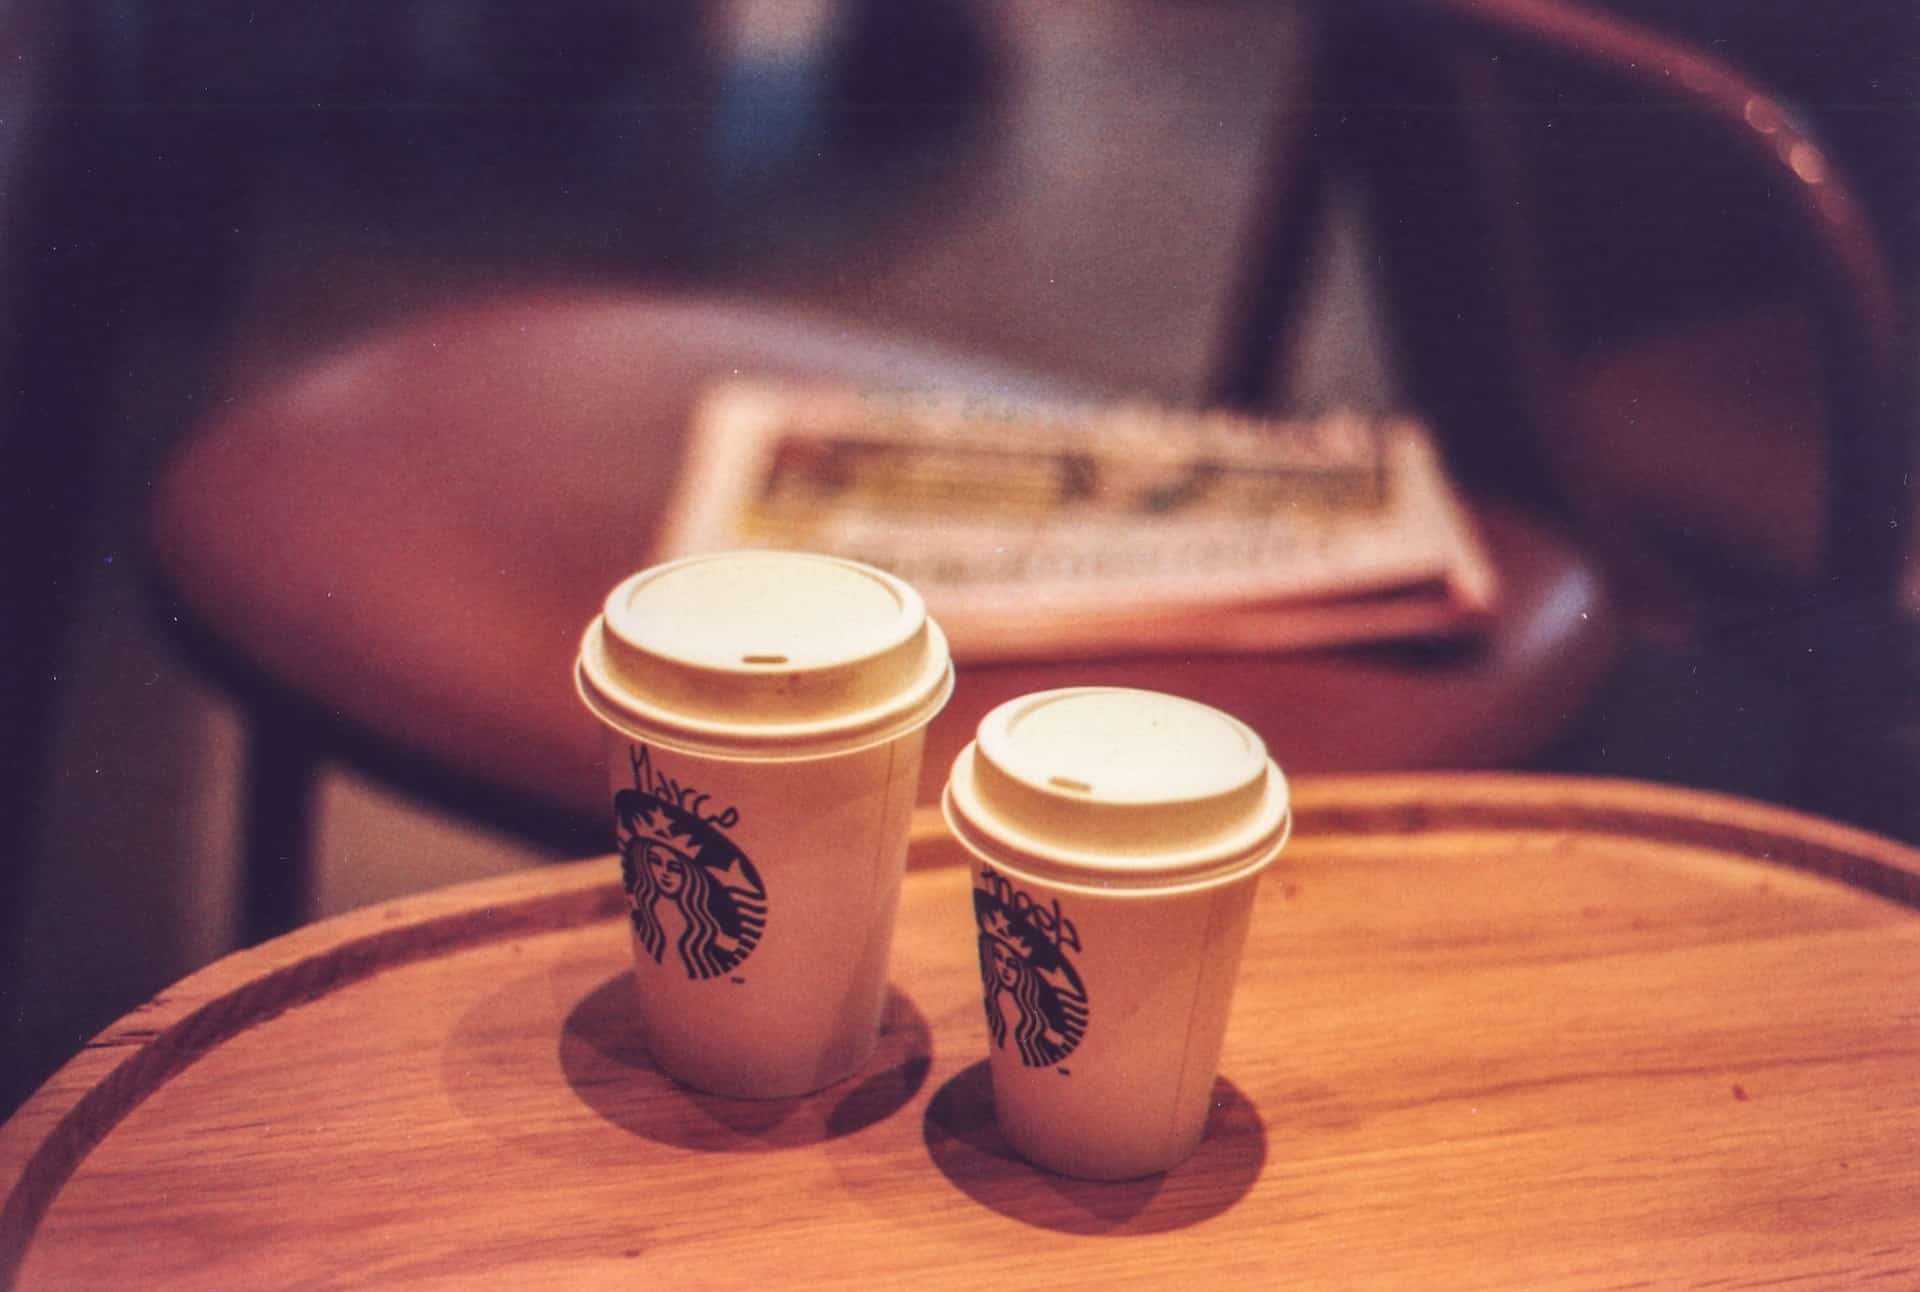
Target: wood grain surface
<point>1492,1032</point>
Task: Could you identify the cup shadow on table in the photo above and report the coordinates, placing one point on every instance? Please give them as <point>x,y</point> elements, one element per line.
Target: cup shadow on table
<point>603,1054</point>
<point>966,1146</point>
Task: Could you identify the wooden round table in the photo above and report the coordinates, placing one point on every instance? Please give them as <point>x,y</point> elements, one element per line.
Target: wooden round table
<point>1491,1032</point>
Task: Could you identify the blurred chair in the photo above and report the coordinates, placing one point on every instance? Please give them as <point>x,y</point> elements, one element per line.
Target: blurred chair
<point>399,547</point>
<point>1654,248</point>
<point>1635,293</point>
<point>392,549</point>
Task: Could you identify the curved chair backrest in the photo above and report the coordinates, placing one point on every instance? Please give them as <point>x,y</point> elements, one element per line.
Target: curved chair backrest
<point>1552,181</point>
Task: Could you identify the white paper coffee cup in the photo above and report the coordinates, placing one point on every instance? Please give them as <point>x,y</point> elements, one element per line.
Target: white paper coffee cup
<point>764,716</point>
<point>1119,836</point>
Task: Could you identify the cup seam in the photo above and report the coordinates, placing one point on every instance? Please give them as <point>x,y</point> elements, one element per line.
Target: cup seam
<point>1193,1004</point>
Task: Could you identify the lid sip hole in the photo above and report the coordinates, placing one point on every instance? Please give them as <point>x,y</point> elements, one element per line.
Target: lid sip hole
<point>1066,783</point>
<point>763,659</point>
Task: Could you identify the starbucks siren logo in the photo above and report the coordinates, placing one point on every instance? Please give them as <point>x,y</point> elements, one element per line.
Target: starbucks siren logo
<point>686,880</point>
<point>1032,988</point>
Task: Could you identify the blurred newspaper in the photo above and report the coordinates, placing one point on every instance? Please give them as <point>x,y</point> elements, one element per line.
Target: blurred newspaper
<point>1063,531</point>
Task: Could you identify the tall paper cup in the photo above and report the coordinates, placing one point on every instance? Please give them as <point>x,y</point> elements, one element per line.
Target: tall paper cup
<point>764,716</point>
<point>1118,837</point>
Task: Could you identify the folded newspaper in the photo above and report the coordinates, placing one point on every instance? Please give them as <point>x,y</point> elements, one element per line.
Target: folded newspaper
<point>1068,531</point>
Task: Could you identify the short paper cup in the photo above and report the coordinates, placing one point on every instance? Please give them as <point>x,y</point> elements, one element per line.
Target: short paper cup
<point>764,716</point>
<point>1118,837</point>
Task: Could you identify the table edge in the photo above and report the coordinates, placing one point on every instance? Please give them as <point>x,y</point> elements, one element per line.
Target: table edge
<point>44,1142</point>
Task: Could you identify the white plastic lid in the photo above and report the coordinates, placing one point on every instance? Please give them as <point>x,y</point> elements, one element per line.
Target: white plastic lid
<point>770,654</point>
<point>1110,787</point>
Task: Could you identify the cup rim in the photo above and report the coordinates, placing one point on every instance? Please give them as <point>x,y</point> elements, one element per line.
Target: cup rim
<point>762,741</point>
<point>1087,871</point>
<point>912,698</point>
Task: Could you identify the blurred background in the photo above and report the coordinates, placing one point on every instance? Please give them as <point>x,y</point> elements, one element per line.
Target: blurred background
<point>1611,314</point>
